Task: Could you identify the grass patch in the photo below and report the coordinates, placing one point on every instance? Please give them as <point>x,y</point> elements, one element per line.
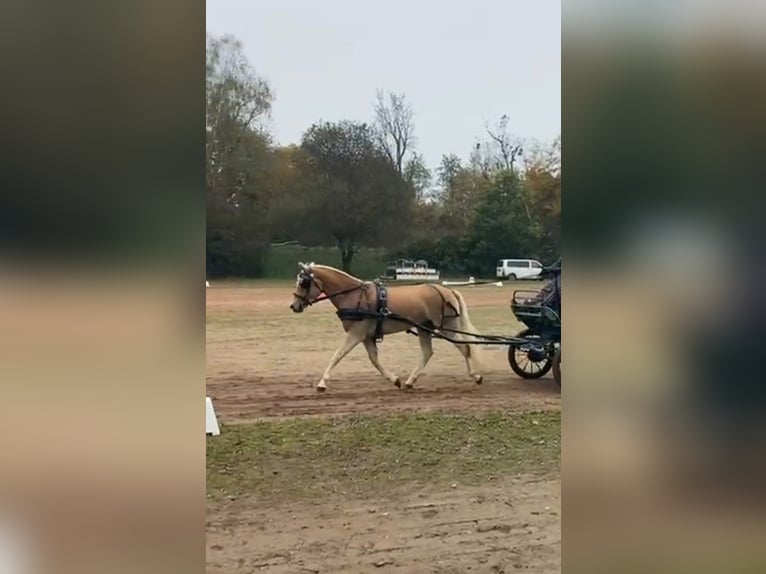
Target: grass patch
<point>302,458</point>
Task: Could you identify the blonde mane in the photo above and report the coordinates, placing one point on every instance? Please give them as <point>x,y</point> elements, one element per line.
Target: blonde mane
<point>313,266</point>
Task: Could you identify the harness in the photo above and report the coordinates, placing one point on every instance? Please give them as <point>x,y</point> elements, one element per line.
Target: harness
<point>307,280</point>
<point>381,310</point>
<point>445,304</point>
<point>349,314</point>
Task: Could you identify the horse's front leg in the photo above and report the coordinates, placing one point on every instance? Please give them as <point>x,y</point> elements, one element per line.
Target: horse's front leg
<point>352,340</point>
<point>372,352</point>
<point>426,352</point>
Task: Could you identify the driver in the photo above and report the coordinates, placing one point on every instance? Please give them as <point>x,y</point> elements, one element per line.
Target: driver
<point>550,295</point>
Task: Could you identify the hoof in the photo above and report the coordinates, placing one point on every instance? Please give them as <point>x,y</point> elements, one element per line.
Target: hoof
<point>480,380</point>
<point>398,384</point>
<point>407,386</point>
<point>321,389</point>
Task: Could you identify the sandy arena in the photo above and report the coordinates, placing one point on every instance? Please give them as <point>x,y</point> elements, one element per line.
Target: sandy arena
<point>263,362</point>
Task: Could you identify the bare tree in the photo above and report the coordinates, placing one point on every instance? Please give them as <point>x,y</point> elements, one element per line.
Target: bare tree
<point>395,128</point>
<point>500,154</point>
<point>509,148</point>
<point>540,156</point>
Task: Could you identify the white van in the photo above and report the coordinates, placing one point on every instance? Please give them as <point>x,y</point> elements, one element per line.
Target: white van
<point>519,269</point>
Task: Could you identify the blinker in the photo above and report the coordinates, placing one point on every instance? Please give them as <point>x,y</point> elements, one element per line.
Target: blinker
<point>305,282</point>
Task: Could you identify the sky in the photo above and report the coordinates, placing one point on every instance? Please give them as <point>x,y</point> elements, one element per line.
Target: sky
<point>460,64</point>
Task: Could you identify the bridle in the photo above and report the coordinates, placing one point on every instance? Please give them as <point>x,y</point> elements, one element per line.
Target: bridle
<point>307,280</point>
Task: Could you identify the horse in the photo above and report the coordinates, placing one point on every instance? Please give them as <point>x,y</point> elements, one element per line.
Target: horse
<point>368,311</point>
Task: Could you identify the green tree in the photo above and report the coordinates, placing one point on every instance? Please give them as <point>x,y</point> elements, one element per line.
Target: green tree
<point>237,160</point>
<point>354,196</point>
<point>466,188</point>
<point>290,178</point>
<point>500,226</point>
<point>441,223</point>
<point>418,177</point>
<point>542,180</point>
<point>446,175</point>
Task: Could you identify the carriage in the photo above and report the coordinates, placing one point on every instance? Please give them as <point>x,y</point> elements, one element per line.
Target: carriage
<point>536,349</point>
<point>539,348</point>
<point>434,312</point>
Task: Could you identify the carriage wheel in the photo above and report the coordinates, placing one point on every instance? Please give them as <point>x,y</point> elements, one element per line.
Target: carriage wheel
<point>557,366</point>
<point>522,365</point>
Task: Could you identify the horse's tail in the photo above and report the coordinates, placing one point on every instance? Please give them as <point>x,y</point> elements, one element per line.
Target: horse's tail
<point>465,323</point>
<point>462,309</point>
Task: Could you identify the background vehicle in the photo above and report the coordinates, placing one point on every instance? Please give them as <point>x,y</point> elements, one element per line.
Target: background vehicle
<point>518,269</point>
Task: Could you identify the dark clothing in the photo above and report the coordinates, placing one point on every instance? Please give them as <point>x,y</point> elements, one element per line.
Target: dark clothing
<point>550,295</point>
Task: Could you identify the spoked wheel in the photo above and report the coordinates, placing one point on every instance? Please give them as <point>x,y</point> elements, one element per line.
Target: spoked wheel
<point>557,366</point>
<point>522,364</point>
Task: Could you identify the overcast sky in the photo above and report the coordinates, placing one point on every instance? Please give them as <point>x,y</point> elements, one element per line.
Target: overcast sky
<point>460,63</point>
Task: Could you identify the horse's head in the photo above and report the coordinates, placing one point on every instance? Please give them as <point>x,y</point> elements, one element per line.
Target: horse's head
<point>307,288</point>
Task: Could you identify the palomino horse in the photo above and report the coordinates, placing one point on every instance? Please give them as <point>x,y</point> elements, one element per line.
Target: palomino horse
<point>431,306</point>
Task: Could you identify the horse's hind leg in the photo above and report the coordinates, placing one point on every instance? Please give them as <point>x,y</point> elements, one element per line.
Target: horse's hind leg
<point>372,352</point>
<point>426,353</point>
<point>467,353</point>
<point>352,340</point>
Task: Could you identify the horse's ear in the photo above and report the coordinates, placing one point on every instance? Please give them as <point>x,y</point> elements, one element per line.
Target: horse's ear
<point>302,265</point>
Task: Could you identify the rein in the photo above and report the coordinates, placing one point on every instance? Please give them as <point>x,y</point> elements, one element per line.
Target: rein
<point>384,313</point>
<point>308,280</point>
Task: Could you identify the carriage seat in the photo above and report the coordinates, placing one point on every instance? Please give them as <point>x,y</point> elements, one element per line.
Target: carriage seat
<point>545,303</point>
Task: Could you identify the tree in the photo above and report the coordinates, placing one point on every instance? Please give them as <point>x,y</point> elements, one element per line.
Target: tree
<point>395,134</point>
<point>542,179</point>
<point>418,177</point>
<point>447,173</point>
<point>545,157</point>
<point>500,225</point>
<point>286,180</point>
<point>394,127</point>
<point>442,223</point>
<point>237,160</point>
<point>233,87</point>
<point>499,154</point>
<point>507,148</point>
<point>236,100</point>
<point>354,196</point>
<point>501,151</point>
<point>464,186</point>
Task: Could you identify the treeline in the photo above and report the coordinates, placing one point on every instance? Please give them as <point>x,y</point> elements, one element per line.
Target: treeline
<point>352,184</point>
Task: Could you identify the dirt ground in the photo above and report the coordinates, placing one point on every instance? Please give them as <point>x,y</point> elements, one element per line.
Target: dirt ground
<point>502,528</point>
<point>263,361</point>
